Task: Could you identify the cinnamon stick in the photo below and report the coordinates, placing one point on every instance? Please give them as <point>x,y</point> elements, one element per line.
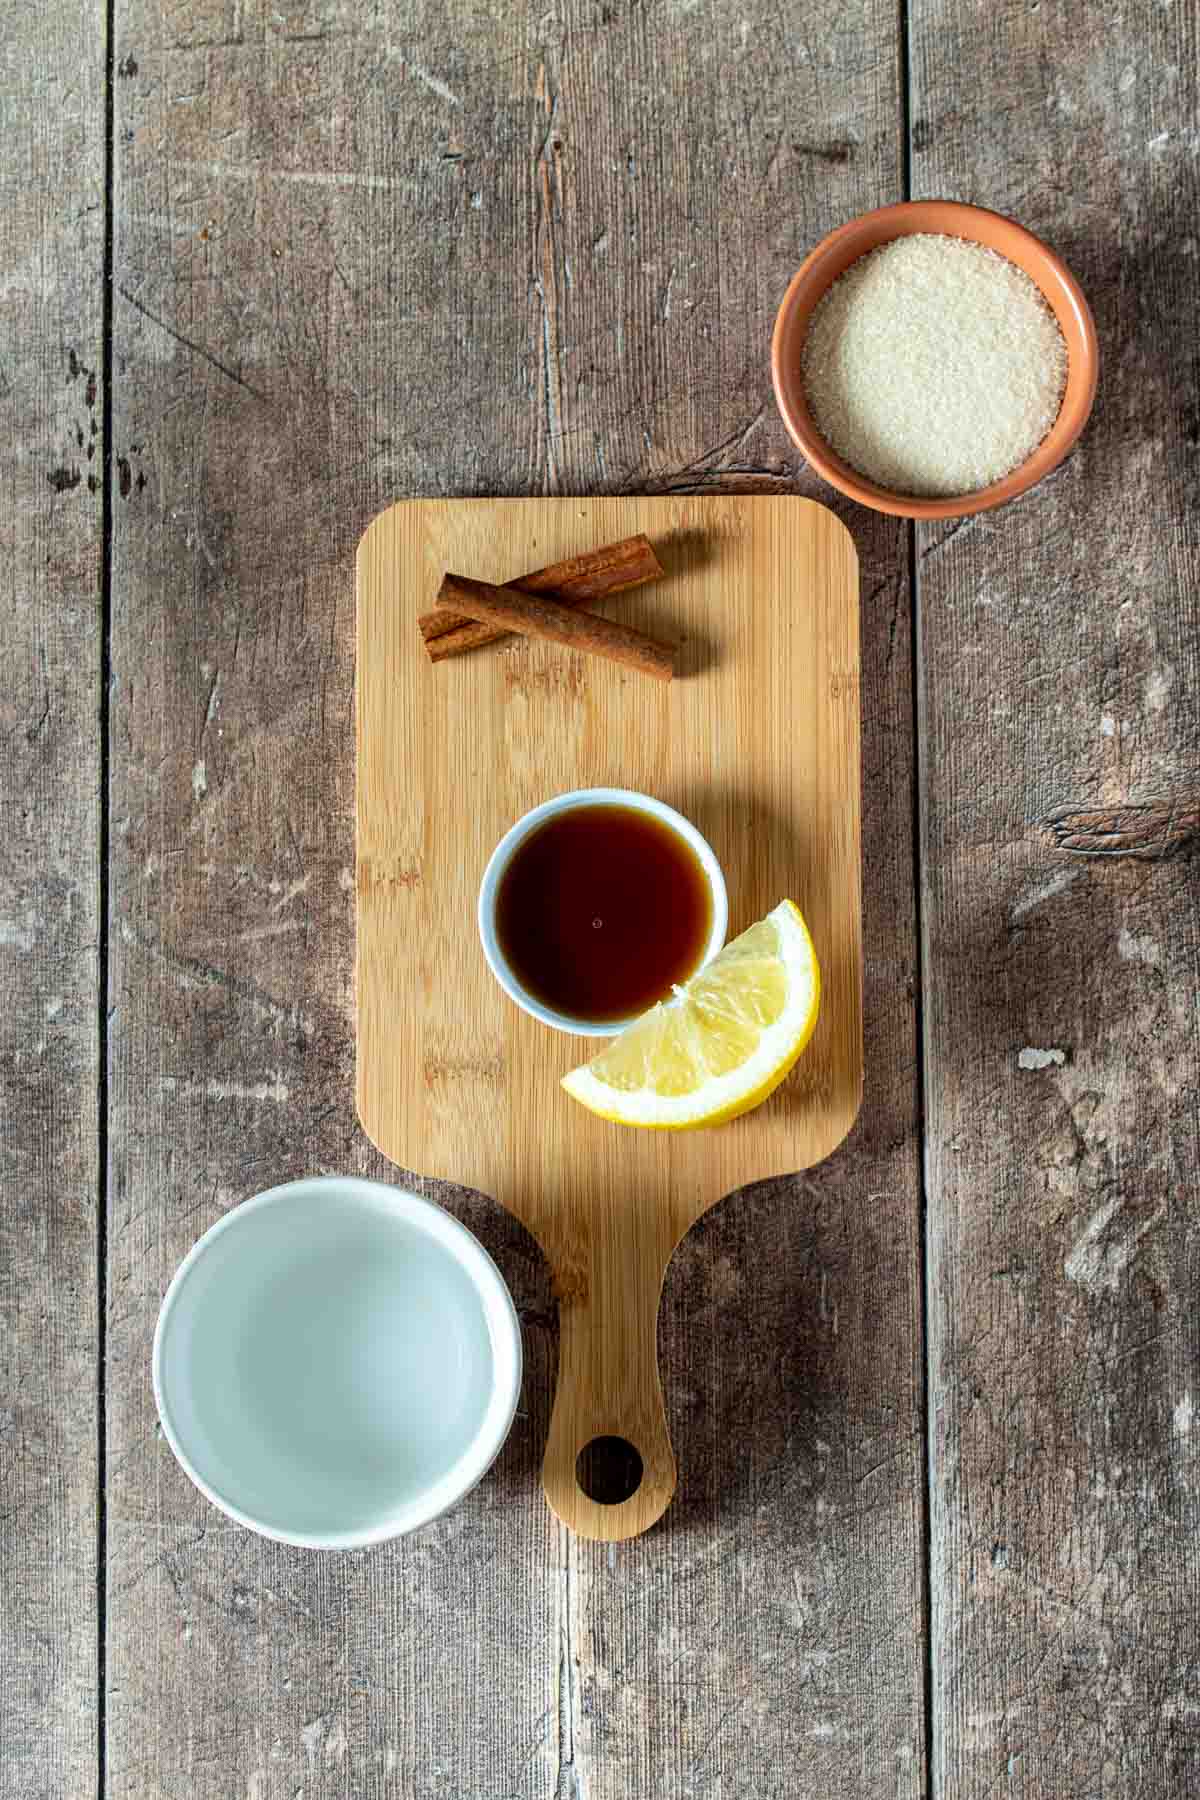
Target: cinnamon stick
<point>510,609</point>
<point>573,582</point>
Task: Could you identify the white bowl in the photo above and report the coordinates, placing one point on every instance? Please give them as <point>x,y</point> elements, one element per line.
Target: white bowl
<point>502,855</point>
<point>336,1362</point>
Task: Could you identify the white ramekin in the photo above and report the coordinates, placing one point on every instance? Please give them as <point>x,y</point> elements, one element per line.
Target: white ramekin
<point>336,1362</point>
<point>503,853</point>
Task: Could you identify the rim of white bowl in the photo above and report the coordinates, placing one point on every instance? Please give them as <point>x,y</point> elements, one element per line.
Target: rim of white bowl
<point>516,834</point>
<point>504,1335</point>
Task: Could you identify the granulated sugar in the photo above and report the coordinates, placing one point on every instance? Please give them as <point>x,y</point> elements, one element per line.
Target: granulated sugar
<point>933,366</point>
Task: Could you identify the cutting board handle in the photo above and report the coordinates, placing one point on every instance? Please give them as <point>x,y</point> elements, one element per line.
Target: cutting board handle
<point>608,1388</point>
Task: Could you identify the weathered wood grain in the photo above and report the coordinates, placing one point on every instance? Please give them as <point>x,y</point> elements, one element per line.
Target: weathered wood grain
<point>1148,829</point>
<point>1059,660</point>
<point>51,267</point>
<point>442,251</point>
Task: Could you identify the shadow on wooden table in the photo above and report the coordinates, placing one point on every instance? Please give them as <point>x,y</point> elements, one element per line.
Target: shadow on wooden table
<point>1145,426</point>
<point>788,1334</point>
<point>786,1349</point>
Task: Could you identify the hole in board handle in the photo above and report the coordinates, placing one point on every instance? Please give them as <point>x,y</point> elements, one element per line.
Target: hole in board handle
<point>609,1470</point>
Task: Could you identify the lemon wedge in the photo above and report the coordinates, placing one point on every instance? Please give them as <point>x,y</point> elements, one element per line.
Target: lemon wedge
<point>721,1044</point>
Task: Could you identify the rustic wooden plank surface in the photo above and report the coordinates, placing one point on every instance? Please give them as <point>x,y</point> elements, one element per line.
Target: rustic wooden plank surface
<point>51,269</point>
<point>356,257</point>
<point>301,293</point>
<point>1059,655</point>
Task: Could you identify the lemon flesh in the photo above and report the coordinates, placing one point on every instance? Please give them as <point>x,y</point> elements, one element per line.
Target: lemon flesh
<point>721,1044</point>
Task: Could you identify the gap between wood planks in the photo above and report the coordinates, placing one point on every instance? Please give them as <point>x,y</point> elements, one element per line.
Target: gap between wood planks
<point>102,984</point>
<point>932,1774</point>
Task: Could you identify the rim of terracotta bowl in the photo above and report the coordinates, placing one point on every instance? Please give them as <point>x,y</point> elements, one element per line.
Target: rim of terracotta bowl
<point>952,218</point>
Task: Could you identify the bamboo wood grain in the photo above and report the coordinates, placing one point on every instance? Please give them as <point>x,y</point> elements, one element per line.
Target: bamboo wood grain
<point>760,746</point>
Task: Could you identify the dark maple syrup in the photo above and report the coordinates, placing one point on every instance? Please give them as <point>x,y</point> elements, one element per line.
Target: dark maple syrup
<point>601,910</point>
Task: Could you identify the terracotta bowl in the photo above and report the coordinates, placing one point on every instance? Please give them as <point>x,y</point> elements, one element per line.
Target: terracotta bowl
<point>833,256</point>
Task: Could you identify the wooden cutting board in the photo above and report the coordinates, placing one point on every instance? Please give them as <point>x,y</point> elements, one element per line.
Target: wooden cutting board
<point>756,741</point>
